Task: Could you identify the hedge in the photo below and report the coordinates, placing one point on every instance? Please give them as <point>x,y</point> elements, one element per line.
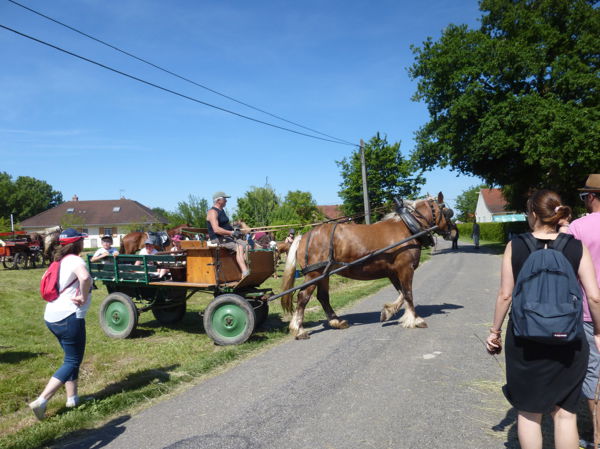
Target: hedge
<point>493,232</point>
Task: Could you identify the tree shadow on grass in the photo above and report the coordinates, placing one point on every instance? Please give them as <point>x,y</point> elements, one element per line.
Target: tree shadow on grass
<point>18,356</point>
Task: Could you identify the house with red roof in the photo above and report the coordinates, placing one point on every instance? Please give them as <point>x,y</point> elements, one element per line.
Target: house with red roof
<point>98,218</point>
<point>331,212</point>
<point>493,207</point>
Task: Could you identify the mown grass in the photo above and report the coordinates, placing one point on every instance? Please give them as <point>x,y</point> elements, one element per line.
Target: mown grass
<point>117,376</point>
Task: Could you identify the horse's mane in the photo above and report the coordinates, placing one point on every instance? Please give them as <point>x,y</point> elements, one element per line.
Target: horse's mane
<point>393,216</point>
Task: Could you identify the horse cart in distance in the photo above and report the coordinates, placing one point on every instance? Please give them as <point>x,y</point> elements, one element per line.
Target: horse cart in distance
<point>19,251</point>
<point>238,307</point>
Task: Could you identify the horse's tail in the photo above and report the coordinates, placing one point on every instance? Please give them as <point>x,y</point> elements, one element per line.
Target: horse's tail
<point>289,275</point>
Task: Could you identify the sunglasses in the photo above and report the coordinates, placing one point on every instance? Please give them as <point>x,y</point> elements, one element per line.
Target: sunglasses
<point>584,195</point>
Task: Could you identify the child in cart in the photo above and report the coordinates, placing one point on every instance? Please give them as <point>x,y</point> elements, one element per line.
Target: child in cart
<point>107,252</point>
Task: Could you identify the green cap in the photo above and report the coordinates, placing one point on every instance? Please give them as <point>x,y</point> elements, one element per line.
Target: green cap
<point>218,195</point>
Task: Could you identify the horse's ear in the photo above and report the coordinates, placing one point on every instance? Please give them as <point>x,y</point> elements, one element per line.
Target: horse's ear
<point>440,197</point>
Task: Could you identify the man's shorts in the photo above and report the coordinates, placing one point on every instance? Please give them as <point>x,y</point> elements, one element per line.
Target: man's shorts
<point>229,243</point>
<point>591,377</point>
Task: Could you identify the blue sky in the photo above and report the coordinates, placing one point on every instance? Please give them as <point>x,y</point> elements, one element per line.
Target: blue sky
<point>336,66</point>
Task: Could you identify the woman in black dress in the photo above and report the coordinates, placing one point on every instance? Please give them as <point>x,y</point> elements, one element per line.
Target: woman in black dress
<point>543,378</point>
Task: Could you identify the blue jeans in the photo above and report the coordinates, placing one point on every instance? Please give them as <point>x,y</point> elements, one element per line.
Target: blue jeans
<point>70,333</point>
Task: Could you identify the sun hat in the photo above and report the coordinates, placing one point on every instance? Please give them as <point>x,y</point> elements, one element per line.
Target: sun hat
<point>70,235</point>
<point>218,195</point>
<point>149,242</point>
<point>592,184</point>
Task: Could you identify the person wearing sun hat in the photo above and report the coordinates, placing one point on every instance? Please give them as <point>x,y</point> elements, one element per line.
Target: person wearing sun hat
<point>221,232</point>
<point>65,318</point>
<point>587,229</point>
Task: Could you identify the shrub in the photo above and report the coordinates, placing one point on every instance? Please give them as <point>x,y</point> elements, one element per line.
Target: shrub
<point>494,232</point>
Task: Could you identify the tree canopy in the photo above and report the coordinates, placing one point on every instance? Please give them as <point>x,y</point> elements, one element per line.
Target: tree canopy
<point>388,175</point>
<point>26,196</point>
<point>516,101</point>
<point>257,205</point>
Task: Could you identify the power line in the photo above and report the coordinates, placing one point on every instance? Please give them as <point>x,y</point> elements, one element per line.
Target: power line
<point>172,73</point>
<point>171,91</point>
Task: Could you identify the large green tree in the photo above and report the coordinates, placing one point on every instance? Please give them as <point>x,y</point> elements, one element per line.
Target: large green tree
<point>303,204</point>
<point>257,205</point>
<point>389,175</point>
<point>192,212</point>
<point>26,196</point>
<point>516,101</point>
<point>466,203</point>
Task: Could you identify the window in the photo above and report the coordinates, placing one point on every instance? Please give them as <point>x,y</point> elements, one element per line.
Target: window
<point>107,231</point>
<point>85,231</point>
<point>117,209</point>
<point>70,210</point>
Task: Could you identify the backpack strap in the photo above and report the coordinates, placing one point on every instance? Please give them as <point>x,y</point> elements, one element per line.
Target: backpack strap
<point>561,241</point>
<point>529,241</point>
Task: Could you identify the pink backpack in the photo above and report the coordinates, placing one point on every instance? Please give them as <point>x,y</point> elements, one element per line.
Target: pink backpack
<point>49,283</point>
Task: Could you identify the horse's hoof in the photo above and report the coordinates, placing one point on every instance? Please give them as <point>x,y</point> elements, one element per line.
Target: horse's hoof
<point>344,324</point>
<point>385,314</point>
<point>421,324</point>
<point>302,336</point>
<point>338,324</point>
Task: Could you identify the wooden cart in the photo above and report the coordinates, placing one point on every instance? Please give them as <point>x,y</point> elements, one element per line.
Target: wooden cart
<point>19,251</point>
<point>239,305</point>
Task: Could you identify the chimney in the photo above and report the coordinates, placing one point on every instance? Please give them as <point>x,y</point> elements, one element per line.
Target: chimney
<point>75,198</point>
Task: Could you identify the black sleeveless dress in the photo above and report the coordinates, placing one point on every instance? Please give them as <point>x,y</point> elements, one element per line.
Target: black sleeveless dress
<point>539,376</point>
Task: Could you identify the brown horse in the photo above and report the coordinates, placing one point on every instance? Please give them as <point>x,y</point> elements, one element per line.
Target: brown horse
<point>329,246</point>
<point>134,241</point>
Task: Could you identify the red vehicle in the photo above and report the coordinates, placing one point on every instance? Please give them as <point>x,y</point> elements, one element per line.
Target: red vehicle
<point>18,250</point>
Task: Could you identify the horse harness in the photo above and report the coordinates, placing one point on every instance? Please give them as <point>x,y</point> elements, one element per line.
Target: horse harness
<point>407,216</point>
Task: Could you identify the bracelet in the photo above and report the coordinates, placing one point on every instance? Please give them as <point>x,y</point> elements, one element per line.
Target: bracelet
<point>495,332</point>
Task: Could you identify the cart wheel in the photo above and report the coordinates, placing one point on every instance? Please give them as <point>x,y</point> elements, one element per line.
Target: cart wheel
<point>118,315</point>
<point>9,263</point>
<point>229,319</point>
<point>169,315</point>
<point>261,311</point>
<point>36,260</point>
<point>21,261</point>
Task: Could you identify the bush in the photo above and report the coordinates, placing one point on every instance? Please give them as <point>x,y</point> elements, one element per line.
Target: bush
<point>494,232</point>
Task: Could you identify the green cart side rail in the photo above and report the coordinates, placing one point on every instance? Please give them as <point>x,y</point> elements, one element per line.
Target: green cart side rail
<point>122,268</point>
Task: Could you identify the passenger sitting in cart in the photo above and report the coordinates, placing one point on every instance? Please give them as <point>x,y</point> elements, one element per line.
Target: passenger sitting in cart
<point>148,250</point>
<point>107,252</point>
<point>176,239</point>
<point>222,233</point>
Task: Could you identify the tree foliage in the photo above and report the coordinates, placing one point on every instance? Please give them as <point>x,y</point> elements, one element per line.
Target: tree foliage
<point>466,203</point>
<point>516,101</point>
<point>192,212</point>
<point>388,175</point>
<point>257,205</point>
<point>26,196</point>
<point>303,205</point>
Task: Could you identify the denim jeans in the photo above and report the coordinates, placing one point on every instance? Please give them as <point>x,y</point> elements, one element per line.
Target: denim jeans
<point>70,333</point>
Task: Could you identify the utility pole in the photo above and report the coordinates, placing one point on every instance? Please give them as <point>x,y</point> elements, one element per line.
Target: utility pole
<point>363,167</point>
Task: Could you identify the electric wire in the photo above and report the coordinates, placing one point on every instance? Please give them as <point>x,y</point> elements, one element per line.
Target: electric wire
<point>172,73</point>
<point>172,91</point>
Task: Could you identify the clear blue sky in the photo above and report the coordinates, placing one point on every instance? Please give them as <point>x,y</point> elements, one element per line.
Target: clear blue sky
<point>335,66</point>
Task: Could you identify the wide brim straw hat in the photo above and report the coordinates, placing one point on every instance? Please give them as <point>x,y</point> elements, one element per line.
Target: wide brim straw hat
<point>592,184</point>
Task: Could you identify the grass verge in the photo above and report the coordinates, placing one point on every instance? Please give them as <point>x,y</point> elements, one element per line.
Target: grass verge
<point>118,376</point>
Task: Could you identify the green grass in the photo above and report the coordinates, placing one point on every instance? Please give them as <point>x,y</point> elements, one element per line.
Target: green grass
<point>118,376</point>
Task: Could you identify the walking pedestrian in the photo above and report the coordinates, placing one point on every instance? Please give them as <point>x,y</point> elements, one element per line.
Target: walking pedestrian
<point>65,318</point>
<point>541,377</point>
<point>455,240</point>
<point>475,234</point>
<point>586,229</point>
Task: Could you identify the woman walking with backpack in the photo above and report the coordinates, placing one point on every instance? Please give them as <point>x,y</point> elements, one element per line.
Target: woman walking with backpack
<point>544,377</point>
<point>65,318</point>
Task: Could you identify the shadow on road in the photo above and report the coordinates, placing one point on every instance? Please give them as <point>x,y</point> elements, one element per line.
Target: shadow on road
<point>95,438</point>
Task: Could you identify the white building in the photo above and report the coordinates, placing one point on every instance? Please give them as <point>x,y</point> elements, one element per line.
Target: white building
<point>491,207</point>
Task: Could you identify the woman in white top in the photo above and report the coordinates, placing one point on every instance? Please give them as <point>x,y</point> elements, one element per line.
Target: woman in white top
<point>65,318</point>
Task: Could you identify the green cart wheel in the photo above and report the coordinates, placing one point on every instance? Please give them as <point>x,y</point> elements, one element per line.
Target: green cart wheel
<point>9,262</point>
<point>36,260</point>
<point>229,320</point>
<point>118,315</point>
<point>261,311</point>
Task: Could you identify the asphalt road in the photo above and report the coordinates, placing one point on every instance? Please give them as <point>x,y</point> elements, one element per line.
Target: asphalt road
<point>369,386</point>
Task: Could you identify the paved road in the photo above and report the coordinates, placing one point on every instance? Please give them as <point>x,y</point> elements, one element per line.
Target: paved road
<point>369,386</point>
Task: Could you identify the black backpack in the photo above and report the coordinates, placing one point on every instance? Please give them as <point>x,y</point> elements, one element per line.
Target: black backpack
<point>547,299</point>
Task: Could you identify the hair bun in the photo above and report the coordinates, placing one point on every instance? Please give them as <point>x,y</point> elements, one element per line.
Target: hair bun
<point>556,209</point>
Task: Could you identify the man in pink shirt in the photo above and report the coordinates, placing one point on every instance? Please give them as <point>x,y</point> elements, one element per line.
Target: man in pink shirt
<point>587,229</point>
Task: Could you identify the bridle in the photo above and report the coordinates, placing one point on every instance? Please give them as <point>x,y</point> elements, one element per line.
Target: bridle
<point>417,222</point>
